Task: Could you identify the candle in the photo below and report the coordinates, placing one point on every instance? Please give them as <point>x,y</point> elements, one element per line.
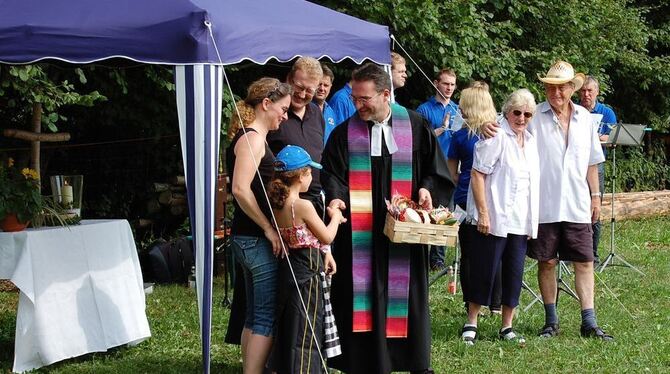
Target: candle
<point>67,195</point>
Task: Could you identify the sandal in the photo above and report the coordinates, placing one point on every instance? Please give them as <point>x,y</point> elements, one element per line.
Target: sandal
<point>549,331</point>
<point>595,332</point>
<point>509,335</point>
<point>469,334</point>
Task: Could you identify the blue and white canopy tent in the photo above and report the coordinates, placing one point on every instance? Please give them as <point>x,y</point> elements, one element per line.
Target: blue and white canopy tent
<point>198,37</point>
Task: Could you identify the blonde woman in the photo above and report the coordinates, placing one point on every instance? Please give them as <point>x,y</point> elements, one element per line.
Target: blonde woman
<point>255,241</point>
<point>476,109</point>
<point>503,201</point>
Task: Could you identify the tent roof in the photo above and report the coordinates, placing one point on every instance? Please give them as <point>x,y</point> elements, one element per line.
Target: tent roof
<point>174,32</point>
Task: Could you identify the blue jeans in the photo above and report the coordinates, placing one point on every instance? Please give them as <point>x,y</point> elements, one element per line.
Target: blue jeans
<point>260,279</point>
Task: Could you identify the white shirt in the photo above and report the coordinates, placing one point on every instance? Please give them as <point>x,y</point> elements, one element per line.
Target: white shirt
<point>382,130</point>
<point>564,191</point>
<point>506,165</point>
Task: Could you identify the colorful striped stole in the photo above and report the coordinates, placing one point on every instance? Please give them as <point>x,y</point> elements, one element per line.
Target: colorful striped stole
<point>360,200</point>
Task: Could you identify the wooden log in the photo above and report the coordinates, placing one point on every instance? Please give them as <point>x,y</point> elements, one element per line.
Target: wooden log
<point>632,205</point>
<point>636,196</point>
<point>153,206</point>
<point>178,180</point>
<point>144,223</point>
<point>178,201</point>
<point>36,137</point>
<point>171,198</point>
<point>165,197</point>
<point>178,210</point>
<point>160,187</point>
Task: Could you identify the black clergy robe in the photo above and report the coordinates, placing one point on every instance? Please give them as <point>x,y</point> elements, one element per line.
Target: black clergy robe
<point>372,352</point>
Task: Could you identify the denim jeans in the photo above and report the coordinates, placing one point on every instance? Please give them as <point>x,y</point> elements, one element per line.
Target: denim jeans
<point>260,279</point>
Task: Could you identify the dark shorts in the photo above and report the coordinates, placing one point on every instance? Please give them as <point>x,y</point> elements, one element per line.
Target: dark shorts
<point>566,241</point>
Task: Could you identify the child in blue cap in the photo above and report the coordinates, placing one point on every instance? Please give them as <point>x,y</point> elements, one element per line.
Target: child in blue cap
<point>307,241</point>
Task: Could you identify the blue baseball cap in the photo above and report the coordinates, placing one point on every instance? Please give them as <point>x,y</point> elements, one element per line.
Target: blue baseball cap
<point>293,157</point>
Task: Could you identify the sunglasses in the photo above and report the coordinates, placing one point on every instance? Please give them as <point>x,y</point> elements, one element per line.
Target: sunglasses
<point>525,114</point>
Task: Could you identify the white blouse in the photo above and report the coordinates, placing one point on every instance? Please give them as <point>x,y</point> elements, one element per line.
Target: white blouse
<point>512,184</point>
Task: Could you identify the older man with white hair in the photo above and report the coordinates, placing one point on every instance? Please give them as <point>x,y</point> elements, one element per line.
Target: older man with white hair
<point>569,162</point>
<point>569,195</point>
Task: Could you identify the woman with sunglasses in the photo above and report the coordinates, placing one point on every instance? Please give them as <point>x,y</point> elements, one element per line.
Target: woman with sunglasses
<point>503,202</point>
<point>255,242</point>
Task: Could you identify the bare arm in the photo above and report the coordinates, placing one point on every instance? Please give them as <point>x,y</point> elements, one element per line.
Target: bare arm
<point>325,234</point>
<point>452,165</point>
<point>477,179</point>
<point>489,129</point>
<point>594,187</point>
<point>245,170</point>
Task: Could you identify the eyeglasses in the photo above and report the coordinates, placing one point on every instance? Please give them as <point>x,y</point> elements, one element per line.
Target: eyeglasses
<point>525,114</point>
<point>363,99</point>
<point>298,88</point>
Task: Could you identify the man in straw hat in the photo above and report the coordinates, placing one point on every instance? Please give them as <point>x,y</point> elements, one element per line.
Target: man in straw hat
<point>569,194</point>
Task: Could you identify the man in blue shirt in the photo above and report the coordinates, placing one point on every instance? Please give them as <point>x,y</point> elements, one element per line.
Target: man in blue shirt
<point>440,111</point>
<point>342,105</point>
<point>320,96</point>
<point>588,98</point>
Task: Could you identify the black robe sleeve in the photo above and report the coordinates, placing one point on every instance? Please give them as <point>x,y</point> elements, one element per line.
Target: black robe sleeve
<point>430,162</point>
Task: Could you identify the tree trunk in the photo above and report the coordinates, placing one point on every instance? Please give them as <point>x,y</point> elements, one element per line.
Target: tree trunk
<point>36,123</point>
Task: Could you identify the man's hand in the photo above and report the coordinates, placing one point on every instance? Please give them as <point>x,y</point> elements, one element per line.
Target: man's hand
<point>439,131</point>
<point>489,129</point>
<point>445,121</point>
<point>425,200</point>
<point>337,204</point>
<point>595,209</point>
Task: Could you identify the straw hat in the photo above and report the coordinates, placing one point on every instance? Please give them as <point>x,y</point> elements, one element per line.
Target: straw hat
<point>562,72</point>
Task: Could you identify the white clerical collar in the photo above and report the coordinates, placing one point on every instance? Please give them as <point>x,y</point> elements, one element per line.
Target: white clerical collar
<point>382,130</point>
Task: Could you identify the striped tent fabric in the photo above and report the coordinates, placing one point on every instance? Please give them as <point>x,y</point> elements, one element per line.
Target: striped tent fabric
<point>199,96</point>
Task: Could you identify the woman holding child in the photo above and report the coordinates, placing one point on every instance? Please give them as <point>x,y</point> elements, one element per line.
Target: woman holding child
<point>255,242</point>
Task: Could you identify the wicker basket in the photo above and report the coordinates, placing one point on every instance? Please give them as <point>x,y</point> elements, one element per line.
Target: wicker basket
<point>420,233</point>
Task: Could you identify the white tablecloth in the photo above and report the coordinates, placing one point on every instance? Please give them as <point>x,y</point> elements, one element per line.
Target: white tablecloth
<point>81,290</point>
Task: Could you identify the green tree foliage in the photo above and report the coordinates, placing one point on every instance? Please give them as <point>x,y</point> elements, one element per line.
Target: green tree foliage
<point>625,44</point>
<point>21,86</point>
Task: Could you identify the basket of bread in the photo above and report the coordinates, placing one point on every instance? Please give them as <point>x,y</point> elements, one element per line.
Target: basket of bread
<point>407,222</point>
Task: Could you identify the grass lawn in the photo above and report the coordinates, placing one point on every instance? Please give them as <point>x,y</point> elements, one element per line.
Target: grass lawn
<point>635,309</point>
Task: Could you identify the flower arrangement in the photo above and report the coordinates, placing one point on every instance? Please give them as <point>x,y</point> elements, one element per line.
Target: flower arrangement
<point>19,192</point>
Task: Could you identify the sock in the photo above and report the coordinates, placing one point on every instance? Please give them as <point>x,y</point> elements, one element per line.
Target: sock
<point>589,318</point>
<point>470,325</point>
<point>550,316</point>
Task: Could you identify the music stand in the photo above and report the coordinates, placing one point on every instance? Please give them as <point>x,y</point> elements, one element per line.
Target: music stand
<point>621,134</point>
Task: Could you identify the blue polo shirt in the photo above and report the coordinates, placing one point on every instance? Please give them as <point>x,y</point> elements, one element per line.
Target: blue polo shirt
<point>342,105</point>
<point>609,117</point>
<point>329,118</point>
<point>434,112</point>
<point>463,149</point>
